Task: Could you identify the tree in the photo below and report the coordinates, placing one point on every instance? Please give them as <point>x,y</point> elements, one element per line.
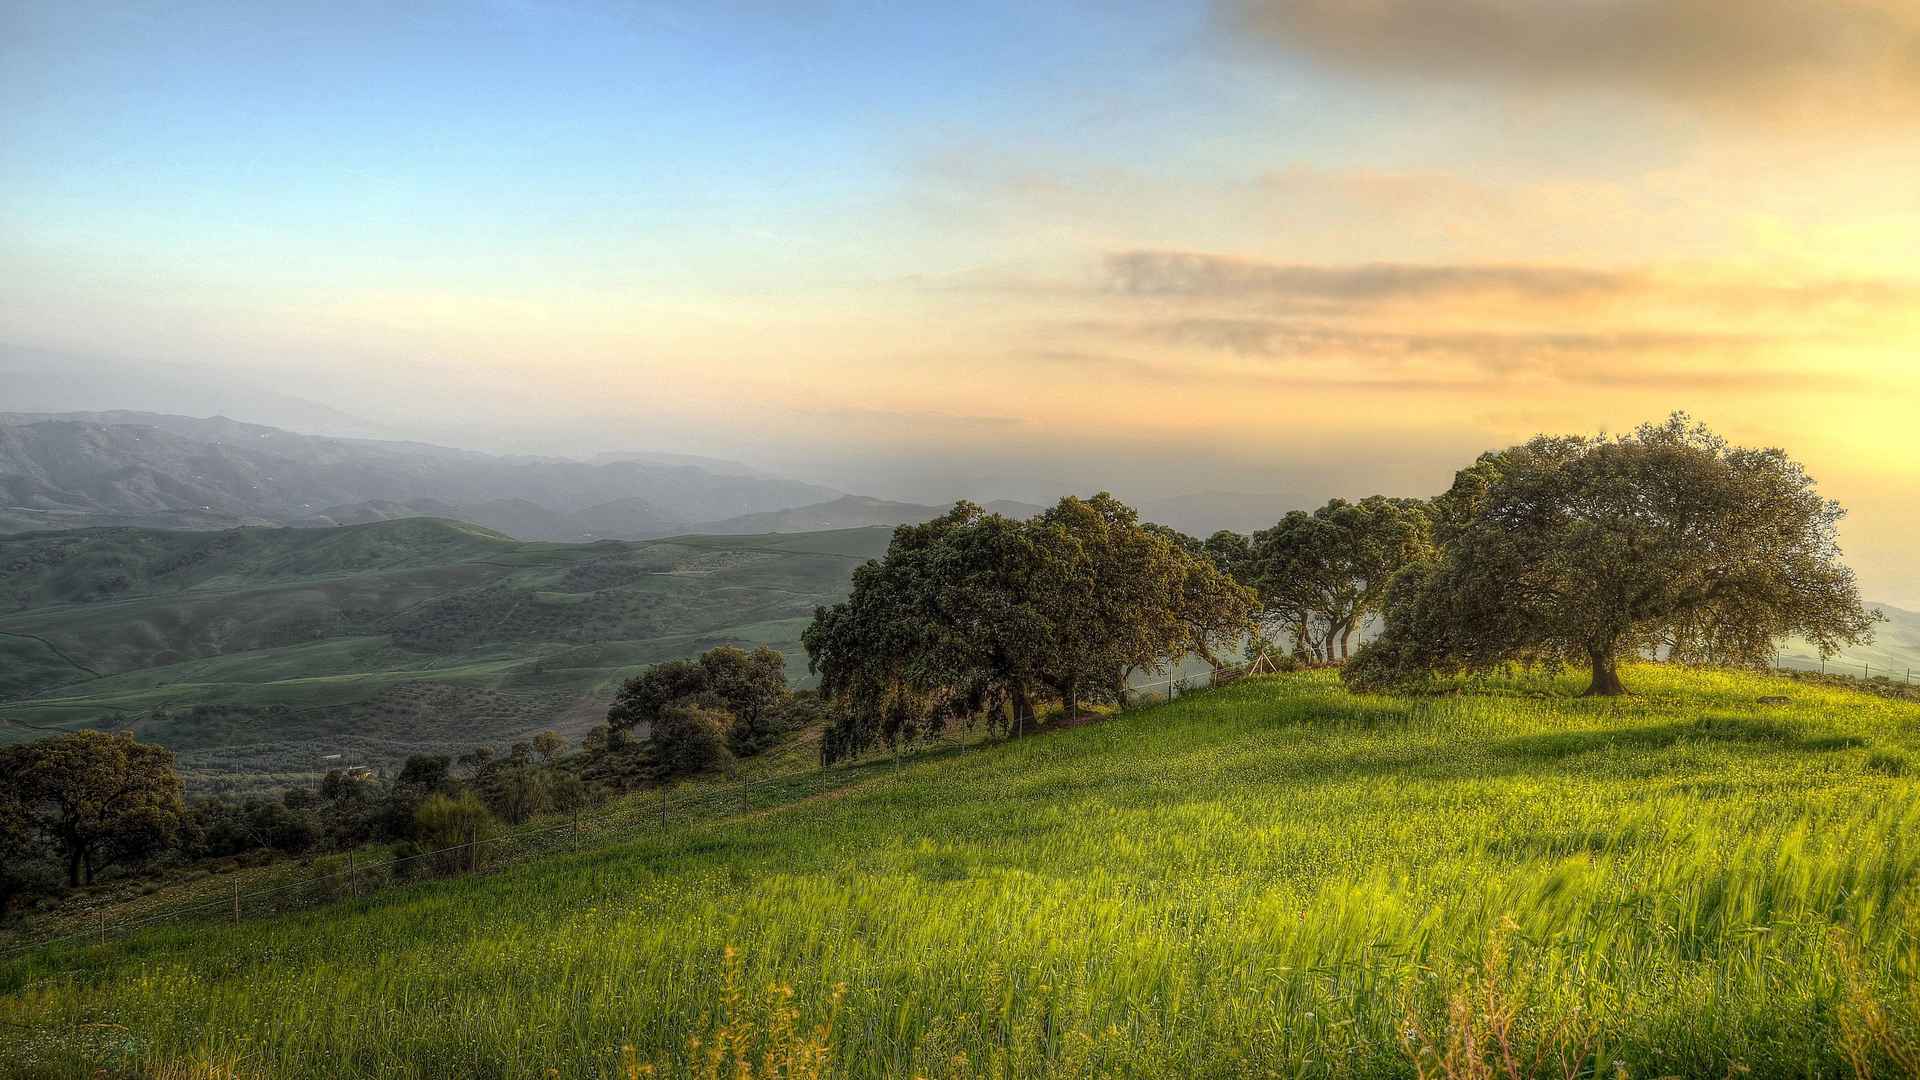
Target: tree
<point>1585,550</point>
<point>887,655</point>
<point>547,744</point>
<point>1121,596</point>
<point>688,738</point>
<point>97,798</point>
<point>1323,574</point>
<point>428,772</point>
<point>748,687</point>
<point>753,686</point>
<point>1232,552</point>
<point>973,612</point>
<point>642,698</point>
<point>518,792</point>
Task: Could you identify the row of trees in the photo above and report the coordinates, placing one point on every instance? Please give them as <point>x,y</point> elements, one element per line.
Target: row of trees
<point>85,802</point>
<point>1666,541</point>
<point>976,613</point>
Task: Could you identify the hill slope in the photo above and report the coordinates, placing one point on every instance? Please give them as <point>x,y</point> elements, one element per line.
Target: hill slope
<point>155,470</point>
<point>1276,878</point>
<point>256,653</point>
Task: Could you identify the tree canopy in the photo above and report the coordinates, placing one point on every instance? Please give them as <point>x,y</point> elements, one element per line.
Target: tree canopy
<point>975,612</point>
<point>743,693</point>
<point>95,798</point>
<point>1585,550</point>
<point>1323,574</point>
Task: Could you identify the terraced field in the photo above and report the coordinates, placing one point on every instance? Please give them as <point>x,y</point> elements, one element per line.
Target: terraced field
<point>365,643</point>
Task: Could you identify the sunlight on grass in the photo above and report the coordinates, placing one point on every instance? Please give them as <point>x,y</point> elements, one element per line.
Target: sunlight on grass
<point>1273,878</point>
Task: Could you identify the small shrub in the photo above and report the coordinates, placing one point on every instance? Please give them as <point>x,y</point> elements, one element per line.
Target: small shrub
<point>461,824</point>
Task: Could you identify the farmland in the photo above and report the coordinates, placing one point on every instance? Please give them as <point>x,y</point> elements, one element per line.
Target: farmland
<point>259,654</point>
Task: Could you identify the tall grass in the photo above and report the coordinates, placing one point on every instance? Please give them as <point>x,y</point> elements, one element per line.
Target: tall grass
<point>1276,878</point>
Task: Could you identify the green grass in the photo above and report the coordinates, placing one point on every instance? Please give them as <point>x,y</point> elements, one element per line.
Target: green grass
<point>1276,878</point>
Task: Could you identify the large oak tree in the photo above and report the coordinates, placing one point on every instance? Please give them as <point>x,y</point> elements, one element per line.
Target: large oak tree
<point>1588,550</point>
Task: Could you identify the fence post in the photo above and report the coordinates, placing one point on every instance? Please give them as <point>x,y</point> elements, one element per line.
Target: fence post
<point>236,901</point>
<point>353,880</point>
<point>743,791</point>
<point>663,806</point>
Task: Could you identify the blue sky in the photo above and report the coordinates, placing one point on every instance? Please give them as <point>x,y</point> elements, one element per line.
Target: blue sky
<point>1291,245</point>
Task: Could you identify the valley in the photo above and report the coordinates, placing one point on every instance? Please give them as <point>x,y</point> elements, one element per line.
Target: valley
<point>263,656</point>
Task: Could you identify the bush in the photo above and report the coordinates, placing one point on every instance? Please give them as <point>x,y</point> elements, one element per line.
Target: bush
<point>572,794</point>
<point>690,739</point>
<point>518,792</point>
<point>462,823</point>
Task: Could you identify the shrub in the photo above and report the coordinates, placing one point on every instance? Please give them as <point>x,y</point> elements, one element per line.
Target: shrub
<point>519,792</point>
<point>460,823</point>
<point>690,739</point>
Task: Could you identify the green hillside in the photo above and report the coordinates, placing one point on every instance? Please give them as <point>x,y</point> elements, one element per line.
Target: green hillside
<point>257,654</point>
<point>1274,878</point>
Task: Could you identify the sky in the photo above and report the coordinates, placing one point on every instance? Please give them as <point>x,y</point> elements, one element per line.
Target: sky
<point>1311,248</point>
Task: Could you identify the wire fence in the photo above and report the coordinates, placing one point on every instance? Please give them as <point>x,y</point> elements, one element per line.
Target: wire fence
<point>1848,667</point>
<point>360,873</point>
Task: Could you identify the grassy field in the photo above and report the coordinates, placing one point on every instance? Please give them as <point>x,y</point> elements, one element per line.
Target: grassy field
<point>1274,878</point>
<point>372,642</point>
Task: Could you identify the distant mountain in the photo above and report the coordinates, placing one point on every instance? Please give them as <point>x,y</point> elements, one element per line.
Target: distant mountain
<point>1895,650</point>
<point>50,382</point>
<point>846,512</point>
<point>1205,513</point>
<point>156,470</point>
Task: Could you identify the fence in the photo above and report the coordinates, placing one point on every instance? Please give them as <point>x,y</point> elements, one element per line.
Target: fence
<point>357,873</point>
<point>365,874</point>
<point>1845,666</point>
<point>362,874</point>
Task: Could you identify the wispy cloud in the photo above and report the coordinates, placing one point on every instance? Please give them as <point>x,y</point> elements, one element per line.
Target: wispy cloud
<point>1181,273</point>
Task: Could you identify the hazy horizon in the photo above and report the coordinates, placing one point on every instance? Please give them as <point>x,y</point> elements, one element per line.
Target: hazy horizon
<point>922,252</point>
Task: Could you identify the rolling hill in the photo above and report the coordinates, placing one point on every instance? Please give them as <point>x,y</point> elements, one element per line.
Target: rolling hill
<point>1275,878</point>
<point>849,512</point>
<point>151,470</point>
<point>257,653</point>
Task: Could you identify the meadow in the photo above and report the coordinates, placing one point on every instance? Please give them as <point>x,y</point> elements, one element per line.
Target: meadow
<point>1271,878</point>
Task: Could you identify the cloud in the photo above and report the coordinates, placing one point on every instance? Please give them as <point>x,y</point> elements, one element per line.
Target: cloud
<point>1193,274</point>
<point>1826,60</point>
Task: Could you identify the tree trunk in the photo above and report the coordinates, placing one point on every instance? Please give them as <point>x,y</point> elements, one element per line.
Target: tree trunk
<point>1345,633</point>
<point>1073,702</point>
<point>73,868</point>
<point>1606,674</point>
<point>1022,709</point>
<point>86,860</point>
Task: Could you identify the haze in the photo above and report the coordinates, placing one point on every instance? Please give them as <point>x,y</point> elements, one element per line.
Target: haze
<point>929,251</point>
